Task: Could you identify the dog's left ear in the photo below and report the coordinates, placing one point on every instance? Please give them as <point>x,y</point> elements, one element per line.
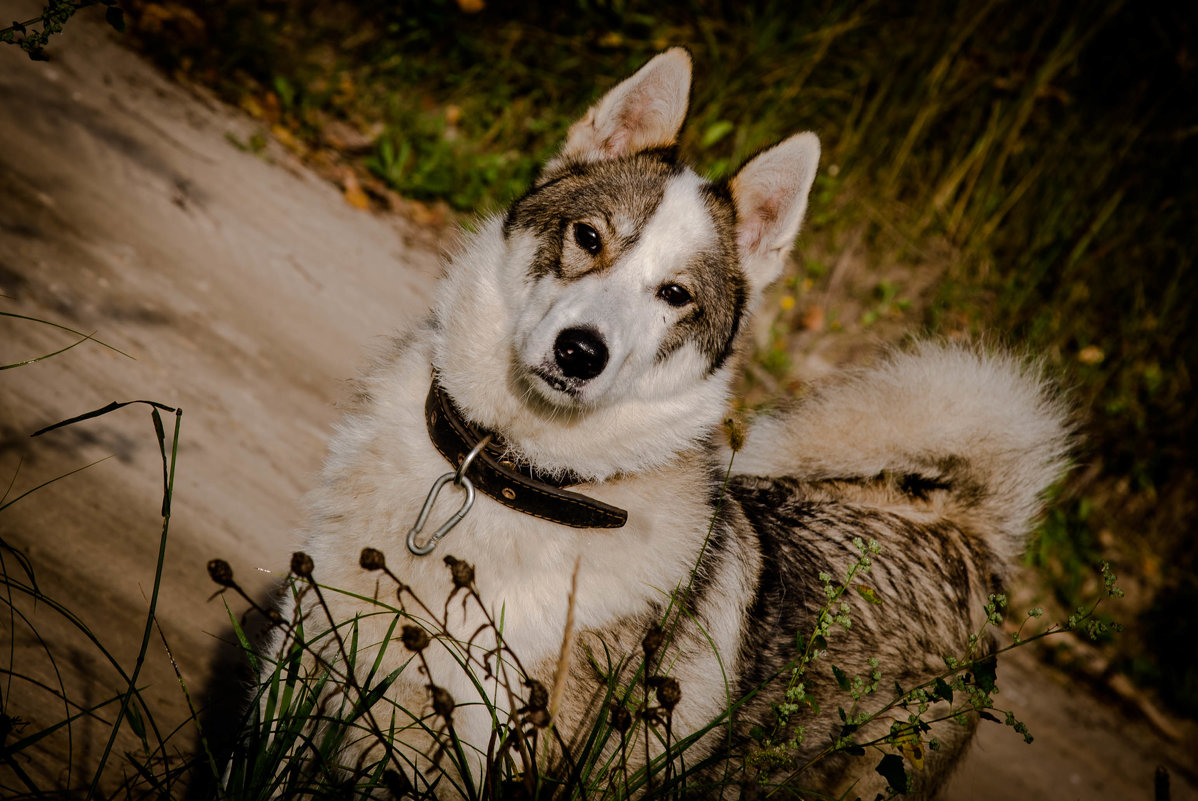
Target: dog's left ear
<point>770,193</point>
<point>644,111</point>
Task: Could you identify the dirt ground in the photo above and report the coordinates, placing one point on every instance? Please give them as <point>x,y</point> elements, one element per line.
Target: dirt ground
<point>246,290</point>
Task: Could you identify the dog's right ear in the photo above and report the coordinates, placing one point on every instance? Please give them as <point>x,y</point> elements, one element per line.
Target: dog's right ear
<point>642,112</point>
<point>770,193</point>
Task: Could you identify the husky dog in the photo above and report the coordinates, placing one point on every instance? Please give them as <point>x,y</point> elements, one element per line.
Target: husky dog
<point>579,356</point>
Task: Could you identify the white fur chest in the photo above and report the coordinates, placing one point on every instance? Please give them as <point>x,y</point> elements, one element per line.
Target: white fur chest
<point>379,471</point>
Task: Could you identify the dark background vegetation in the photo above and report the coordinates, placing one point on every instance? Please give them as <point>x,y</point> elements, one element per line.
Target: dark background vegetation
<point>1021,172</point>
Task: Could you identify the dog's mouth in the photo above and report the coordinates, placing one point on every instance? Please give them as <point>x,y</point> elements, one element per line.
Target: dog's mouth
<point>559,384</point>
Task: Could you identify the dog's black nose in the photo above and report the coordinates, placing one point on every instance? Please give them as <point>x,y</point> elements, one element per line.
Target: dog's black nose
<point>580,353</point>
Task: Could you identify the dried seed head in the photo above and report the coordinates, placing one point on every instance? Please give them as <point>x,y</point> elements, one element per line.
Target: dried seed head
<point>538,718</point>
<point>442,701</point>
<point>463,572</point>
<point>301,564</point>
<point>220,572</point>
<point>414,638</point>
<point>653,640</point>
<point>734,427</point>
<point>668,692</point>
<point>619,717</point>
<point>538,696</point>
<point>372,559</point>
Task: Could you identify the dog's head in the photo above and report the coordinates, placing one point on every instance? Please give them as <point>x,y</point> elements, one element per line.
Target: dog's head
<point>625,278</point>
<point>641,272</point>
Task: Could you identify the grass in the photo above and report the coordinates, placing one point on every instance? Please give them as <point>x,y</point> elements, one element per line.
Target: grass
<point>326,726</point>
<point>128,707</point>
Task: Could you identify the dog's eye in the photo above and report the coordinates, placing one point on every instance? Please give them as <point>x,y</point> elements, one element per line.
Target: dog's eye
<point>674,295</point>
<point>587,238</point>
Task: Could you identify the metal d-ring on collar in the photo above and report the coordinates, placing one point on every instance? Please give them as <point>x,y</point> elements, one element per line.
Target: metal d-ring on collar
<point>459,479</point>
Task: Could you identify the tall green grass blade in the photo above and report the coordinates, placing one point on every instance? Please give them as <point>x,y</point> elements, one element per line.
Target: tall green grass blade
<point>7,504</point>
<point>149,625</point>
<point>194,720</point>
<point>86,337</point>
<point>37,359</point>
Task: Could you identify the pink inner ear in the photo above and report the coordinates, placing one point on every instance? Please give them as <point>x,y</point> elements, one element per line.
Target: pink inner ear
<point>749,236</point>
<point>618,143</point>
<point>632,115</point>
<point>753,229</point>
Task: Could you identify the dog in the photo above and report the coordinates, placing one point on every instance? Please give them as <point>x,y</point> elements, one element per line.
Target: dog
<point>568,391</point>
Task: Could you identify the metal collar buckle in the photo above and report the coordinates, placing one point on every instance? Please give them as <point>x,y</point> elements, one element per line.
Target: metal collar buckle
<point>460,480</point>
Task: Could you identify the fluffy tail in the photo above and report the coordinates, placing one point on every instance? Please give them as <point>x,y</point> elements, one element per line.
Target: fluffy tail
<point>987,429</point>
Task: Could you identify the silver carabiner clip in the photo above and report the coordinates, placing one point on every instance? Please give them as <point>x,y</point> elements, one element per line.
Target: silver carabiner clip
<point>459,478</point>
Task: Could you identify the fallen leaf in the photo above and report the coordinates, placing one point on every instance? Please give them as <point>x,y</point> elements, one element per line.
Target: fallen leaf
<point>250,105</point>
<point>271,108</point>
<point>425,214</point>
<point>354,195</point>
<point>348,139</point>
<point>1091,354</point>
<point>288,140</point>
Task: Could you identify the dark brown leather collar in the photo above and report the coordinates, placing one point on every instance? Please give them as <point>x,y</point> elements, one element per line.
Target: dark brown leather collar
<point>511,483</point>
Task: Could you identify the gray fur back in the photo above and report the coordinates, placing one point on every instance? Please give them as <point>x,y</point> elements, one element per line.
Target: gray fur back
<point>981,435</point>
<point>941,456</point>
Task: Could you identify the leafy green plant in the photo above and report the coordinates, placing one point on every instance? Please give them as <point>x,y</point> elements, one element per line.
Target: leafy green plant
<point>34,34</point>
<point>964,689</point>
